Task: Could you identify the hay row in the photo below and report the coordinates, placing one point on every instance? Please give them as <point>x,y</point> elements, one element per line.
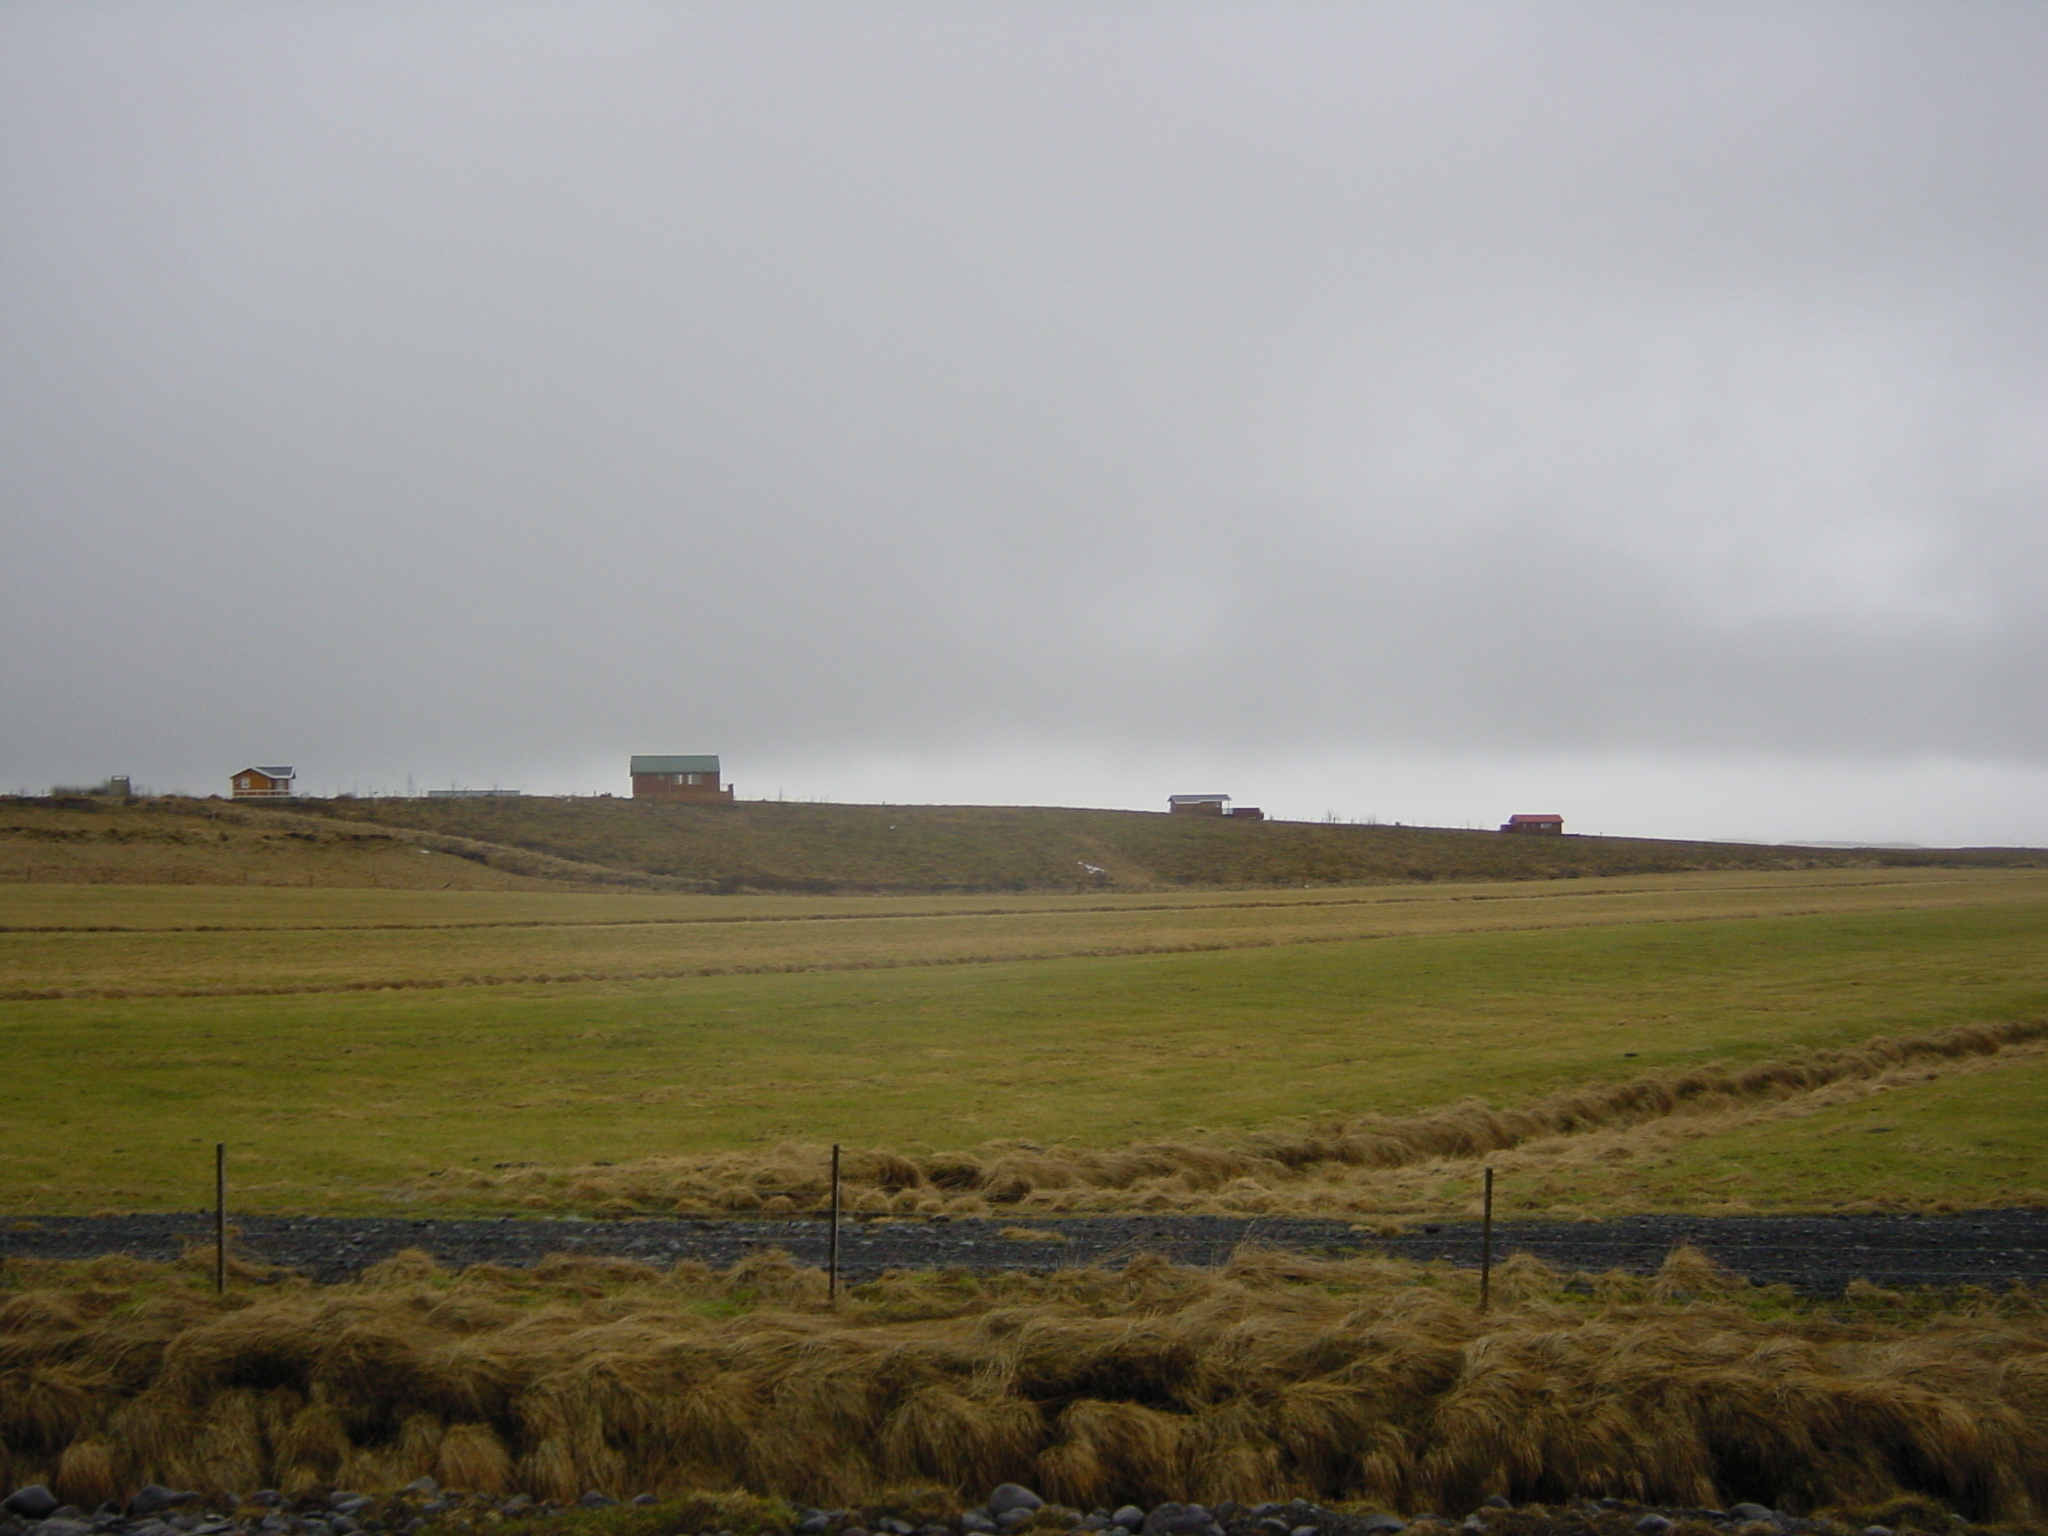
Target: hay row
<point>1328,1168</point>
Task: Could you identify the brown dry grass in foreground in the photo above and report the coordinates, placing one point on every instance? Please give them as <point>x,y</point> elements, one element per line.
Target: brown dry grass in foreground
<point>1363,1380</point>
<point>1350,1166</point>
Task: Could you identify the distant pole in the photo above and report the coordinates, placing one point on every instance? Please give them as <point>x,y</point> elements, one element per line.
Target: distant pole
<point>220,1217</point>
<point>1486,1244</point>
<point>832,1261</point>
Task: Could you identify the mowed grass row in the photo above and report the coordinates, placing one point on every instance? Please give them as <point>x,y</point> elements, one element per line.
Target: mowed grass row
<point>182,908</point>
<point>693,937</point>
<point>334,1101</point>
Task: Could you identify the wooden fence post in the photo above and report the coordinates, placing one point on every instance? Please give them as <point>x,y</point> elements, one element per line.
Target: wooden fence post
<point>832,1263</point>
<point>220,1218</point>
<point>1486,1244</point>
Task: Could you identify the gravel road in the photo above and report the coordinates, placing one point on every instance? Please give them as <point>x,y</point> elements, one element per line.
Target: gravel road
<point>1812,1253</point>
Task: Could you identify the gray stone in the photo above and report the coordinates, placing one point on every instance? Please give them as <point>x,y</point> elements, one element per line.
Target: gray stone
<point>1010,1519</point>
<point>154,1499</point>
<point>35,1502</point>
<point>595,1500</point>
<point>1172,1519</point>
<point>56,1525</point>
<point>1753,1512</point>
<point>424,1487</point>
<point>818,1524</point>
<point>1383,1525</point>
<point>1009,1496</point>
<point>1654,1525</point>
<point>645,1499</point>
<point>1130,1517</point>
<point>894,1528</point>
<point>349,1503</point>
<point>1877,1530</point>
<point>1304,1530</point>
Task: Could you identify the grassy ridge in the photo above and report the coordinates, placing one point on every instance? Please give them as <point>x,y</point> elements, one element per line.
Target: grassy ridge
<point>767,845</point>
<point>770,846</point>
<point>351,1100</point>
<point>1366,1381</point>
<point>197,843</point>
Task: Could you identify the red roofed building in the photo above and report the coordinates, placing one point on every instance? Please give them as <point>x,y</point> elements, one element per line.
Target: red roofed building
<point>1528,823</point>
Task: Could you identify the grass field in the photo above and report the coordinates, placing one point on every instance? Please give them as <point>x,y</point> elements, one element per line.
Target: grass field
<point>1283,1050</point>
<point>1850,1036</point>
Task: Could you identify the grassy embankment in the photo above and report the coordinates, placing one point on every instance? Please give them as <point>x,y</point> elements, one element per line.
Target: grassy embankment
<point>201,843</point>
<point>765,846</point>
<point>772,846</point>
<point>1364,1381</point>
<point>1312,1051</point>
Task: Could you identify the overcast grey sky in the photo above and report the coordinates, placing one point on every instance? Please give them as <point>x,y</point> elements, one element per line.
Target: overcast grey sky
<point>1421,411</point>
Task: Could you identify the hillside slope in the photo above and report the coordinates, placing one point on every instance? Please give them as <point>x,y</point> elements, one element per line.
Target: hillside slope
<point>198,842</point>
<point>536,842</point>
<point>768,845</point>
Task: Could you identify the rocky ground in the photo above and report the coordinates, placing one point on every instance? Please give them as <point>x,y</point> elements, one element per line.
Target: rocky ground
<point>1010,1510</point>
<point>1818,1254</point>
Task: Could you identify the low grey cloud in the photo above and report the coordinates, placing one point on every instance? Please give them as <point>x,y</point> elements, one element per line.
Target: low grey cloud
<point>1401,410</point>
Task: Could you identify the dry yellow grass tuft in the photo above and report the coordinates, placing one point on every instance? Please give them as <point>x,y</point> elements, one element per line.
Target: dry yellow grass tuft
<point>1280,1376</point>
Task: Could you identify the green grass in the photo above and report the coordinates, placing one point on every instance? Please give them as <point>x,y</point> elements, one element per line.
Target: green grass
<point>1974,1139</point>
<point>126,946</point>
<point>345,1100</point>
